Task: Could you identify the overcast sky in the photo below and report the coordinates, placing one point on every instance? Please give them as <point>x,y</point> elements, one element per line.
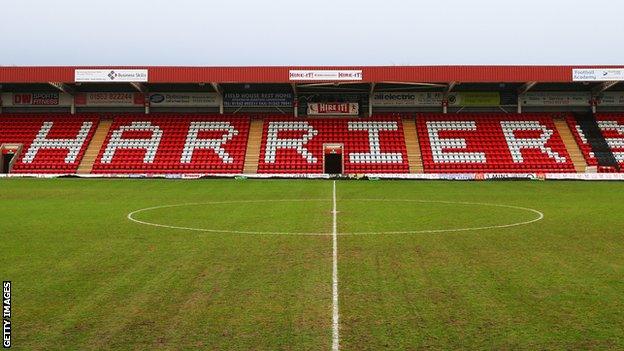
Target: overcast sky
<point>319,32</point>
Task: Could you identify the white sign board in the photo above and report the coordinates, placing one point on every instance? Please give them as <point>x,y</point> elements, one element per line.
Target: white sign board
<point>597,74</point>
<point>325,75</point>
<point>185,99</point>
<point>110,75</point>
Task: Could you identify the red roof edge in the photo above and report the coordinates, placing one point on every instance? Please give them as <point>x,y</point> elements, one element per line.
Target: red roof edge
<point>280,74</point>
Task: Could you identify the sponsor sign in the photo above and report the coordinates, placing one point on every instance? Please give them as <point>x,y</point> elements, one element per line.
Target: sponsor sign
<point>110,99</point>
<point>36,99</point>
<point>475,99</point>
<point>614,98</point>
<point>556,99</point>
<point>503,176</point>
<point>335,108</point>
<point>407,99</point>
<point>110,75</point>
<point>597,74</point>
<point>416,99</point>
<point>325,75</point>
<point>257,99</point>
<point>185,99</point>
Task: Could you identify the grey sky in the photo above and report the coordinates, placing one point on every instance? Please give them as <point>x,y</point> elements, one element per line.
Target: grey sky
<point>320,32</point>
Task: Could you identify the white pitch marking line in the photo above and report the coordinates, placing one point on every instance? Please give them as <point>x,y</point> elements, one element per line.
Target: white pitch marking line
<point>335,313</point>
<point>539,217</point>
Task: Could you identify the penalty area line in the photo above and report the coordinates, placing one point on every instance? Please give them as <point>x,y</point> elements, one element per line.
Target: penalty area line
<point>335,311</point>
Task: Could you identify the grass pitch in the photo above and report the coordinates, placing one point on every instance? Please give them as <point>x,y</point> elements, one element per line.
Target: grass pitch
<point>86,277</point>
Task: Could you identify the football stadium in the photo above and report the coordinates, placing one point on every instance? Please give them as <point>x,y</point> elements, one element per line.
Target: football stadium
<point>313,208</point>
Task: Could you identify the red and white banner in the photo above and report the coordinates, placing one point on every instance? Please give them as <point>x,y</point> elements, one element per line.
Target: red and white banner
<point>334,108</point>
<point>110,99</point>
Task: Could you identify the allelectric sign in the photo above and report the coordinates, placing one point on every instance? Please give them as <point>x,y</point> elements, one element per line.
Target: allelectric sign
<point>111,75</point>
<point>597,74</point>
<point>308,75</point>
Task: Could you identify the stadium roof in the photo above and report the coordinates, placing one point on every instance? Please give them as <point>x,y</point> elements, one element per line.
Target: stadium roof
<point>275,74</point>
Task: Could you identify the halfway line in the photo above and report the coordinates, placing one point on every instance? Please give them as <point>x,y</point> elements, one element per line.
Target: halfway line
<point>335,314</point>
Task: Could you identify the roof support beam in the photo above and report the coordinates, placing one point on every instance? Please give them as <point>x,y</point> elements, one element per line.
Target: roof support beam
<point>450,87</point>
<point>370,99</point>
<point>447,91</point>
<point>217,88</point>
<point>219,91</point>
<point>140,87</point>
<point>599,88</point>
<point>65,88</point>
<point>295,99</point>
<point>526,87</point>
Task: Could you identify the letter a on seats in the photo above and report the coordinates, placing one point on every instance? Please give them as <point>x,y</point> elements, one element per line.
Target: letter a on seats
<point>274,142</point>
<point>150,145</point>
<point>516,145</point>
<point>192,142</point>
<point>72,145</point>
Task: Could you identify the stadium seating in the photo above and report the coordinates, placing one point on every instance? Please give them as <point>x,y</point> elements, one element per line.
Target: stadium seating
<point>174,144</point>
<point>373,145</point>
<point>492,142</point>
<point>611,128</point>
<point>51,143</point>
<point>582,141</point>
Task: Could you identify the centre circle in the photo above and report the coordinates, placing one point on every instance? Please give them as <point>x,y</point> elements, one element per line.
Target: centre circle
<point>355,216</point>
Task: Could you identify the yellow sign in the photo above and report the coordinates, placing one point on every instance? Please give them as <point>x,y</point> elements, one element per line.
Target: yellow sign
<point>481,99</point>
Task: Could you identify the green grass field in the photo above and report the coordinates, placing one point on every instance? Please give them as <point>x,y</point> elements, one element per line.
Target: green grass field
<point>85,277</point>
